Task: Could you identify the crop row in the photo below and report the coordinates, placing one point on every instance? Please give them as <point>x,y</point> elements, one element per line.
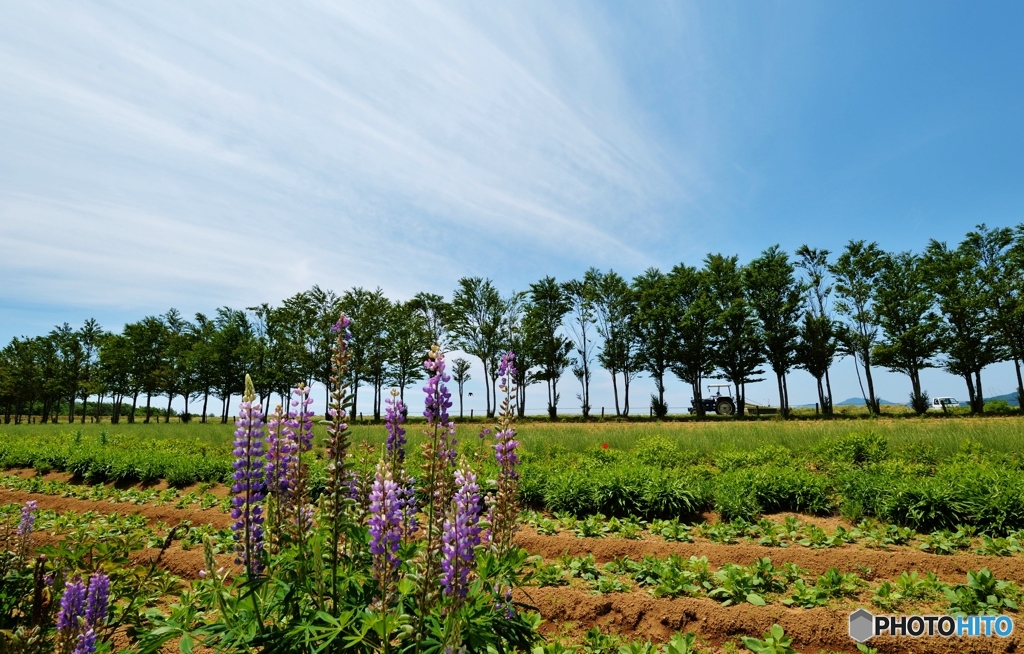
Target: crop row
<point>791,531</point>
<point>855,475</point>
<point>763,582</point>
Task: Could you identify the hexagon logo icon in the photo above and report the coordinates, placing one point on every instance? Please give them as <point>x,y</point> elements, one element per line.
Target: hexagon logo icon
<point>861,625</point>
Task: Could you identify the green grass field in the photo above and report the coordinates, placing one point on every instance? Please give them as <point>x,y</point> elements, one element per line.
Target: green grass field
<point>945,434</point>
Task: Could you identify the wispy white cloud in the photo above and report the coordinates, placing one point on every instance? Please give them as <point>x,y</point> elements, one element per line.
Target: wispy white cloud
<point>240,150</point>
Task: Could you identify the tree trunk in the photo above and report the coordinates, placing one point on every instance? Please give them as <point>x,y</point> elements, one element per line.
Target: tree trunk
<point>625,393</point>
<point>487,388</point>
<point>206,398</point>
<point>71,409</point>
<point>873,403</point>
<point>741,399</point>
<point>782,395</point>
<point>979,394</point>
<point>615,392</point>
<point>1020,384</point>
<point>970,392</point>
<point>170,398</point>
<point>149,407</point>
<point>785,393</point>
<point>828,387</point>
<point>698,400</point>
<point>135,404</point>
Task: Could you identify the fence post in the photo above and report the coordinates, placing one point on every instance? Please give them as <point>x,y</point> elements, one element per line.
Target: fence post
<point>360,416</point>
<point>471,414</point>
<point>602,413</point>
<point>757,411</point>
<point>815,408</point>
<point>652,411</point>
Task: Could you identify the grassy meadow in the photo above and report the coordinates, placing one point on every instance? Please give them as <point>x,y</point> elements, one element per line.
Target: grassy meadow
<point>943,433</point>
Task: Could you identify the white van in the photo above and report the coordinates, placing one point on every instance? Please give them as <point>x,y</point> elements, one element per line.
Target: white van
<point>943,403</point>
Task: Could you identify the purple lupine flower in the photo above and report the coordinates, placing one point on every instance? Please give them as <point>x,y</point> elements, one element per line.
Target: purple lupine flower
<point>394,416</point>
<point>461,534</point>
<point>86,643</point>
<point>97,599</point>
<point>280,457</point>
<point>249,486</point>
<point>505,452</point>
<point>28,518</point>
<point>72,606</point>
<point>385,523</point>
<point>342,326</point>
<point>352,483</point>
<point>407,504</point>
<point>507,367</point>
<point>438,401</point>
<point>301,417</point>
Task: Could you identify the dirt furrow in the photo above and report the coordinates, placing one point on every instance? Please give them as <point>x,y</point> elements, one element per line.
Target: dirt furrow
<point>883,564</point>
<point>638,615</point>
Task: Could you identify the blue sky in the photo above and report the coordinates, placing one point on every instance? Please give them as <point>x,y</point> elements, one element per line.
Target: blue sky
<point>197,155</point>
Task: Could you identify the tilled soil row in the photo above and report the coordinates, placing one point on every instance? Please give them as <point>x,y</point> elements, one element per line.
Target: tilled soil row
<point>153,514</point>
<point>883,564</point>
<point>638,615</point>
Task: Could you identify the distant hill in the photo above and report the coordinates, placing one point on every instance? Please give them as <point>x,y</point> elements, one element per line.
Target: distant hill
<point>853,401</point>
<point>1011,398</point>
<point>859,401</point>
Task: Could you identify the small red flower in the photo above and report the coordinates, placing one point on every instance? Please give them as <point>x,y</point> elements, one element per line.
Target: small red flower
<point>605,446</point>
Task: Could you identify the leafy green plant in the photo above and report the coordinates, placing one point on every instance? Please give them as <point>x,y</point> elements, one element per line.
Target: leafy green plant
<point>983,594</point>
<point>550,574</point>
<point>672,530</point>
<point>773,642</point>
<point>947,542</point>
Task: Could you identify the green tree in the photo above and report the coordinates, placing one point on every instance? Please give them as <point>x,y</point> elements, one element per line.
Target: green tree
<point>460,375</point>
<point>775,295</point>
<point>737,343</point>
<point>174,373</point>
<point>654,324</point>
<point>580,294</point>
<point>232,346</point>
<point>546,308</point>
<point>856,273</point>
<point>903,309</point>
<point>818,344</point>
<point>369,347</point>
<point>693,358</point>
<point>436,314</point>
<point>202,359</point>
<point>409,341</point>
<point>614,306</point>
<point>968,340</point>
<point>1000,253</point>
<point>478,324</point>
<point>90,336</point>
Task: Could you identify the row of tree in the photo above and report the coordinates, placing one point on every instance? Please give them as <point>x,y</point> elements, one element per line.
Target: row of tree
<point>960,308</point>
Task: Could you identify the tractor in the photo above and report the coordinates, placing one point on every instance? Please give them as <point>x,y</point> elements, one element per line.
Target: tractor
<point>717,401</point>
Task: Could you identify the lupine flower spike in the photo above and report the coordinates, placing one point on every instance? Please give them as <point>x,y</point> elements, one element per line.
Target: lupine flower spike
<point>461,534</point>
<point>336,492</point>
<point>385,529</point>
<point>504,509</point>
<point>250,482</point>
<point>300,427</point>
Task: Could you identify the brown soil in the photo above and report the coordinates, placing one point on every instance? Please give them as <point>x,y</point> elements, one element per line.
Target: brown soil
<point>637,615</point>
<point>154,514</point>
<point>219,490</point>
<point>883,564</point>
<point>572,611</point>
